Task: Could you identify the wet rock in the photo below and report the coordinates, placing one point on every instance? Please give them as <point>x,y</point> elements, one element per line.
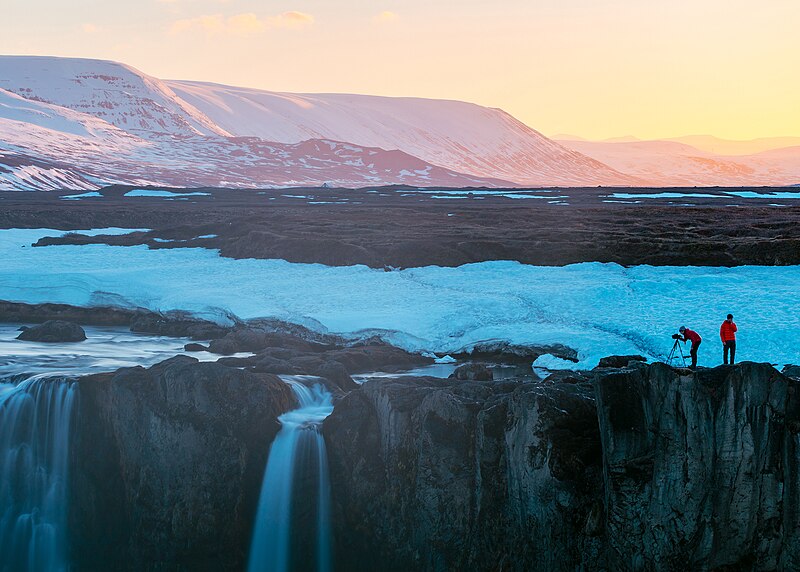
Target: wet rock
<point>287,354</point>
<point>167,464</point>
<point>176,324</point>
<point>620,361</point>
<point>472,372</point>
<point>195,347</point>
<point>255,340</point>
<point>569,376</point>
<point>379,357</point>
<point>53,331</point>
<point>38,313</point>
<point>505,352</point>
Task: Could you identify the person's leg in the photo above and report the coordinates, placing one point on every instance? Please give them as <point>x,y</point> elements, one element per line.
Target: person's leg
<point>693,353</point>
<point>725,348</point>
<point>733,351</point>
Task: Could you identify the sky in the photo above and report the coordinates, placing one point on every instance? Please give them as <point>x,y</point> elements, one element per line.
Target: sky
<point>591,68</point>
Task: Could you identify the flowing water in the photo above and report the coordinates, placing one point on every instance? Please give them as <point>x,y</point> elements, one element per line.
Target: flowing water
<point>37,398</point>
<point>35,423</point>
<point>292,528</point>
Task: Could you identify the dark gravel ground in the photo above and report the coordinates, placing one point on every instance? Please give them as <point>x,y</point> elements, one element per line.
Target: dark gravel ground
<point>398,227</point>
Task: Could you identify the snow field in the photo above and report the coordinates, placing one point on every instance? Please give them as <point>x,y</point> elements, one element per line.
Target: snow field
<point>599,309</point>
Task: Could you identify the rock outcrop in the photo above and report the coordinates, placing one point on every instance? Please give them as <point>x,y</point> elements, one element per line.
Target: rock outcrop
<point>791,371</point>
<point>167,465</point>
<point>431,474</point>
<point>701,470</point>
<point>620,361</point>
<point>53,331</point>
<point>473,372</point>
<point>670,470</point>
<point>292,355</point>
<point>504,352</point>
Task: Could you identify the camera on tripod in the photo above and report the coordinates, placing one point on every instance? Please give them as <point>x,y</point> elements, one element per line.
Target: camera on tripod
<point>676,350</point>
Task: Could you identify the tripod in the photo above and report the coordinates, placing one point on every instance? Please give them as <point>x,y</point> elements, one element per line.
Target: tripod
<point>676,351</point>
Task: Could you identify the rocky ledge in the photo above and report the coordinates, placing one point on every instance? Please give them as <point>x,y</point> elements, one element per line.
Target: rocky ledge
<point>642,468</point>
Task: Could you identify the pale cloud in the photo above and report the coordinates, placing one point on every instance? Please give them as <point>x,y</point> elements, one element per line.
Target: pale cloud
<point>188,1</point>
<point>386,16</point>
<point>244,24</point>
<point>292,20</point>
<point>89,28</point>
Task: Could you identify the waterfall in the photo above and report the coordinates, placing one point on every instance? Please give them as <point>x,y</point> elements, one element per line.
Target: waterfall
<point>35,420</point>
<point>292,527</point>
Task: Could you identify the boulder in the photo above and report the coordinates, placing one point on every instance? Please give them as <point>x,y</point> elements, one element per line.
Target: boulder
<point>620,361</point>
<point>53,331</point>
<point>472,372</point>
<point>195,347</point>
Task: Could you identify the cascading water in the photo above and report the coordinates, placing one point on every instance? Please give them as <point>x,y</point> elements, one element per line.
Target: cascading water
<point>35,422</point>
<point>292,528</point>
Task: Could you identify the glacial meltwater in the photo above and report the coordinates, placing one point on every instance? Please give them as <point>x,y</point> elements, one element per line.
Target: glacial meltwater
<point>292,528</point>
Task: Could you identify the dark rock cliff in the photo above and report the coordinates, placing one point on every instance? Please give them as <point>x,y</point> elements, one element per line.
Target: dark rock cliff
<point>669,470</point>
<point>167,465</point>
<point>431,474</point>
<point>701,469</point>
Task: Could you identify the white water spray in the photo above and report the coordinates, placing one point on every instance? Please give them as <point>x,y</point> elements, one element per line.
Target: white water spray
<point>297,454</point>
<point>35,423</point>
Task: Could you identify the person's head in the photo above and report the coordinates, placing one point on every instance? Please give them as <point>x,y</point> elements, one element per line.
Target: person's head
<point>730,317</point>
<point>682,329</point>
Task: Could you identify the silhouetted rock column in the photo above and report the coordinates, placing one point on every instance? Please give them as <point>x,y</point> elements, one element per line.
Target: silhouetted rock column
<point>701,469</point>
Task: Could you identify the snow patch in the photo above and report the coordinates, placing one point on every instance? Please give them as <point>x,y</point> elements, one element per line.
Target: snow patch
<point>90,194</point>
<point>163,194</point>
<point>553,363</point>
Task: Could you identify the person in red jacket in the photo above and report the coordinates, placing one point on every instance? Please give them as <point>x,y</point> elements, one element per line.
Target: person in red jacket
<point>727,333</point>
<point>694,337</point>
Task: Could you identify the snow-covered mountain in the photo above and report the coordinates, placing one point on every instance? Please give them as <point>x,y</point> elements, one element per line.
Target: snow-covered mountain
<point>462,136</point>
<point>113,92</point>
<point>81,123</point>
<point>671,163</point>
<point>106,122</point>
<point>44,146</point>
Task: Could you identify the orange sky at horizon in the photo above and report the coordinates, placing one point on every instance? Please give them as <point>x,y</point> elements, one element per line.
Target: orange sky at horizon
<point>595,69</point>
